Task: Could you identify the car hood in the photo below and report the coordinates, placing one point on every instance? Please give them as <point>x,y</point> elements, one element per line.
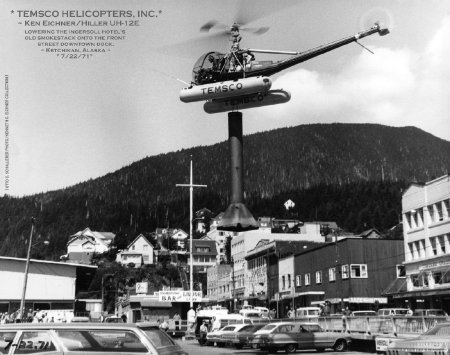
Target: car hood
<point>171,350</point>
<point>423,342</point>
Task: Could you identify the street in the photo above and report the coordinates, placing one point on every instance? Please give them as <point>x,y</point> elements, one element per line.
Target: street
<point>193,348</point>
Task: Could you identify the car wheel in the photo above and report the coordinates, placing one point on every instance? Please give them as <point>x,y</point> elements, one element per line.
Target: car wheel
<point>272,350</point>
<point>341,345</point>
<point>320,350</point>
<point>290,348</point>
<point>239,346</point>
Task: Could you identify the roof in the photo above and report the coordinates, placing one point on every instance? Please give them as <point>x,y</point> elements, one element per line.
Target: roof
<point>48,262</point>
<point>203,243</point>
<point>140,236</point>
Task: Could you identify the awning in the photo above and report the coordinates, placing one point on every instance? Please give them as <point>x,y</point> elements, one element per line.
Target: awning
<point>155,304</point>
<point>423,293</point>
<point>309,293</point>
<point>395,287</point>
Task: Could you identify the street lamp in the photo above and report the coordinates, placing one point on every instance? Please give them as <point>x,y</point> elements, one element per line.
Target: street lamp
<point>27,265</point>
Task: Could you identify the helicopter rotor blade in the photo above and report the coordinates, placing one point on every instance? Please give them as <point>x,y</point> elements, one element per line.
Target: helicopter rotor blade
<point>212,24</point>
<point>256,31</point>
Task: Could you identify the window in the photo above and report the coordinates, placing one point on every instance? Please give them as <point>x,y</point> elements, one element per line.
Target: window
<point>332,274</point>
<point>35,342</point>
<point>289,281</point>
<point>318,277</point>
<point>6,339</point>
<point>145,247</point>
<point>358,271</point>
<point>345,272</point>
<point>101,340</point>
<point>401,273</point>
<point>133,247</point>
<point>307,279</point>
<point>298,280</point>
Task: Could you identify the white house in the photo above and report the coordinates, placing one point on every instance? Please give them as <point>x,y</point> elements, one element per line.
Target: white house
<point>83,244</point>
<point>139,252</point>
<point>180,237</point>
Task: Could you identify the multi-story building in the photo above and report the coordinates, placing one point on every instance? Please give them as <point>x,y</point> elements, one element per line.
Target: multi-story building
<point>204,255</point>
<point>426,231</point>
<point>219,285</point>
<point>246,241</point>
<point>270,271</point>
<point>352,272</point>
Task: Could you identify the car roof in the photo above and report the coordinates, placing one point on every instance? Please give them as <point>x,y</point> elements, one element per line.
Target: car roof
<point>91,325</point>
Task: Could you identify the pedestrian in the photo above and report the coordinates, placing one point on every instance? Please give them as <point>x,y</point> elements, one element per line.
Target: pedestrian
<point>191,318</point>
<point>177,319</point>
<point>164,325</point>
<point>203,333</point>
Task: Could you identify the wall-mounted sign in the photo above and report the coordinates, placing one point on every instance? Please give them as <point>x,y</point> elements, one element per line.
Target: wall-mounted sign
<point>180,296</point>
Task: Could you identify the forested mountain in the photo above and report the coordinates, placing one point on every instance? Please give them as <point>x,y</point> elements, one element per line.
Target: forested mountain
<point>350,173</point>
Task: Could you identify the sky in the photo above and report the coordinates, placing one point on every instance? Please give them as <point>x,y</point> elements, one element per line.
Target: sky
<point>65,121</point>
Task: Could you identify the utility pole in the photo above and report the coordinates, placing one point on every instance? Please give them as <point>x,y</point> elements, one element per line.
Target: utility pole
<point>191,272</point>
<point>25,277</point>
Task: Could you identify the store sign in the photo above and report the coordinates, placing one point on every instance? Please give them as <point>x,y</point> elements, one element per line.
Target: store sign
<point>180,296</point>
<point>435,265</point>
<point>141,287</point>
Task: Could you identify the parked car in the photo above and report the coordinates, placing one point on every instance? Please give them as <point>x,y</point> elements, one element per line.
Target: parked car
<point>364,314</point>
<point>307,312</point>
<point>216,336</point>
<point>292,336</point>
<point>383,312</point>
<point>243,336</point>
<point>80,320</point>
<point>263,310</point>
<point>79,338</point>
<point>434,341</point>
<point>113,319</point>
<point>430,313</point>
<point>224,319</point>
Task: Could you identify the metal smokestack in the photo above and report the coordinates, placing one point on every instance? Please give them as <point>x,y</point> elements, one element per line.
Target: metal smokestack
<point>237,217</point>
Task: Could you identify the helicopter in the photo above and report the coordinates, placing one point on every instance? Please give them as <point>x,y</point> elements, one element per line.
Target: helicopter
<point>217,76</point>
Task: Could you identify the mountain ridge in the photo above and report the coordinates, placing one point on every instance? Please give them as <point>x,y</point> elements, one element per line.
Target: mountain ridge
<point>323,160</point>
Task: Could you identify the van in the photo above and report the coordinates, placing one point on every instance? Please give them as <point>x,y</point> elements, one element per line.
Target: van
<point>307,312</point>
<point>263,310</point>
<point>384,312</point>
<point>225,319</point>
<point>430,313</point>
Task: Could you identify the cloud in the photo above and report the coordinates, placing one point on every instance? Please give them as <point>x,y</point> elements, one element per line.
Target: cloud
<point>395,87</point>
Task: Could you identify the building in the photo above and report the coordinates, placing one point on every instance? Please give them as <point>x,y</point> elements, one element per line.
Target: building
<point>204,255</point>
<point>353,272</point>
<point>179,236</point>
<point>426,232</point>
<point>246,241</point>
<point>139,252</point>
<point>83,245</point>
<point>50,285</point>
<point>219,283</point>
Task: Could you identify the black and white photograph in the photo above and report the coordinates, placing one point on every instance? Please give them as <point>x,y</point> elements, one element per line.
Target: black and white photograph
<point>224,177</point>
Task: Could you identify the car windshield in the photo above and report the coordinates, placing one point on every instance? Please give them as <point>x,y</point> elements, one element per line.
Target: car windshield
<point>158,338</point>
<point>246,328</point>
<point>439,330</point>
